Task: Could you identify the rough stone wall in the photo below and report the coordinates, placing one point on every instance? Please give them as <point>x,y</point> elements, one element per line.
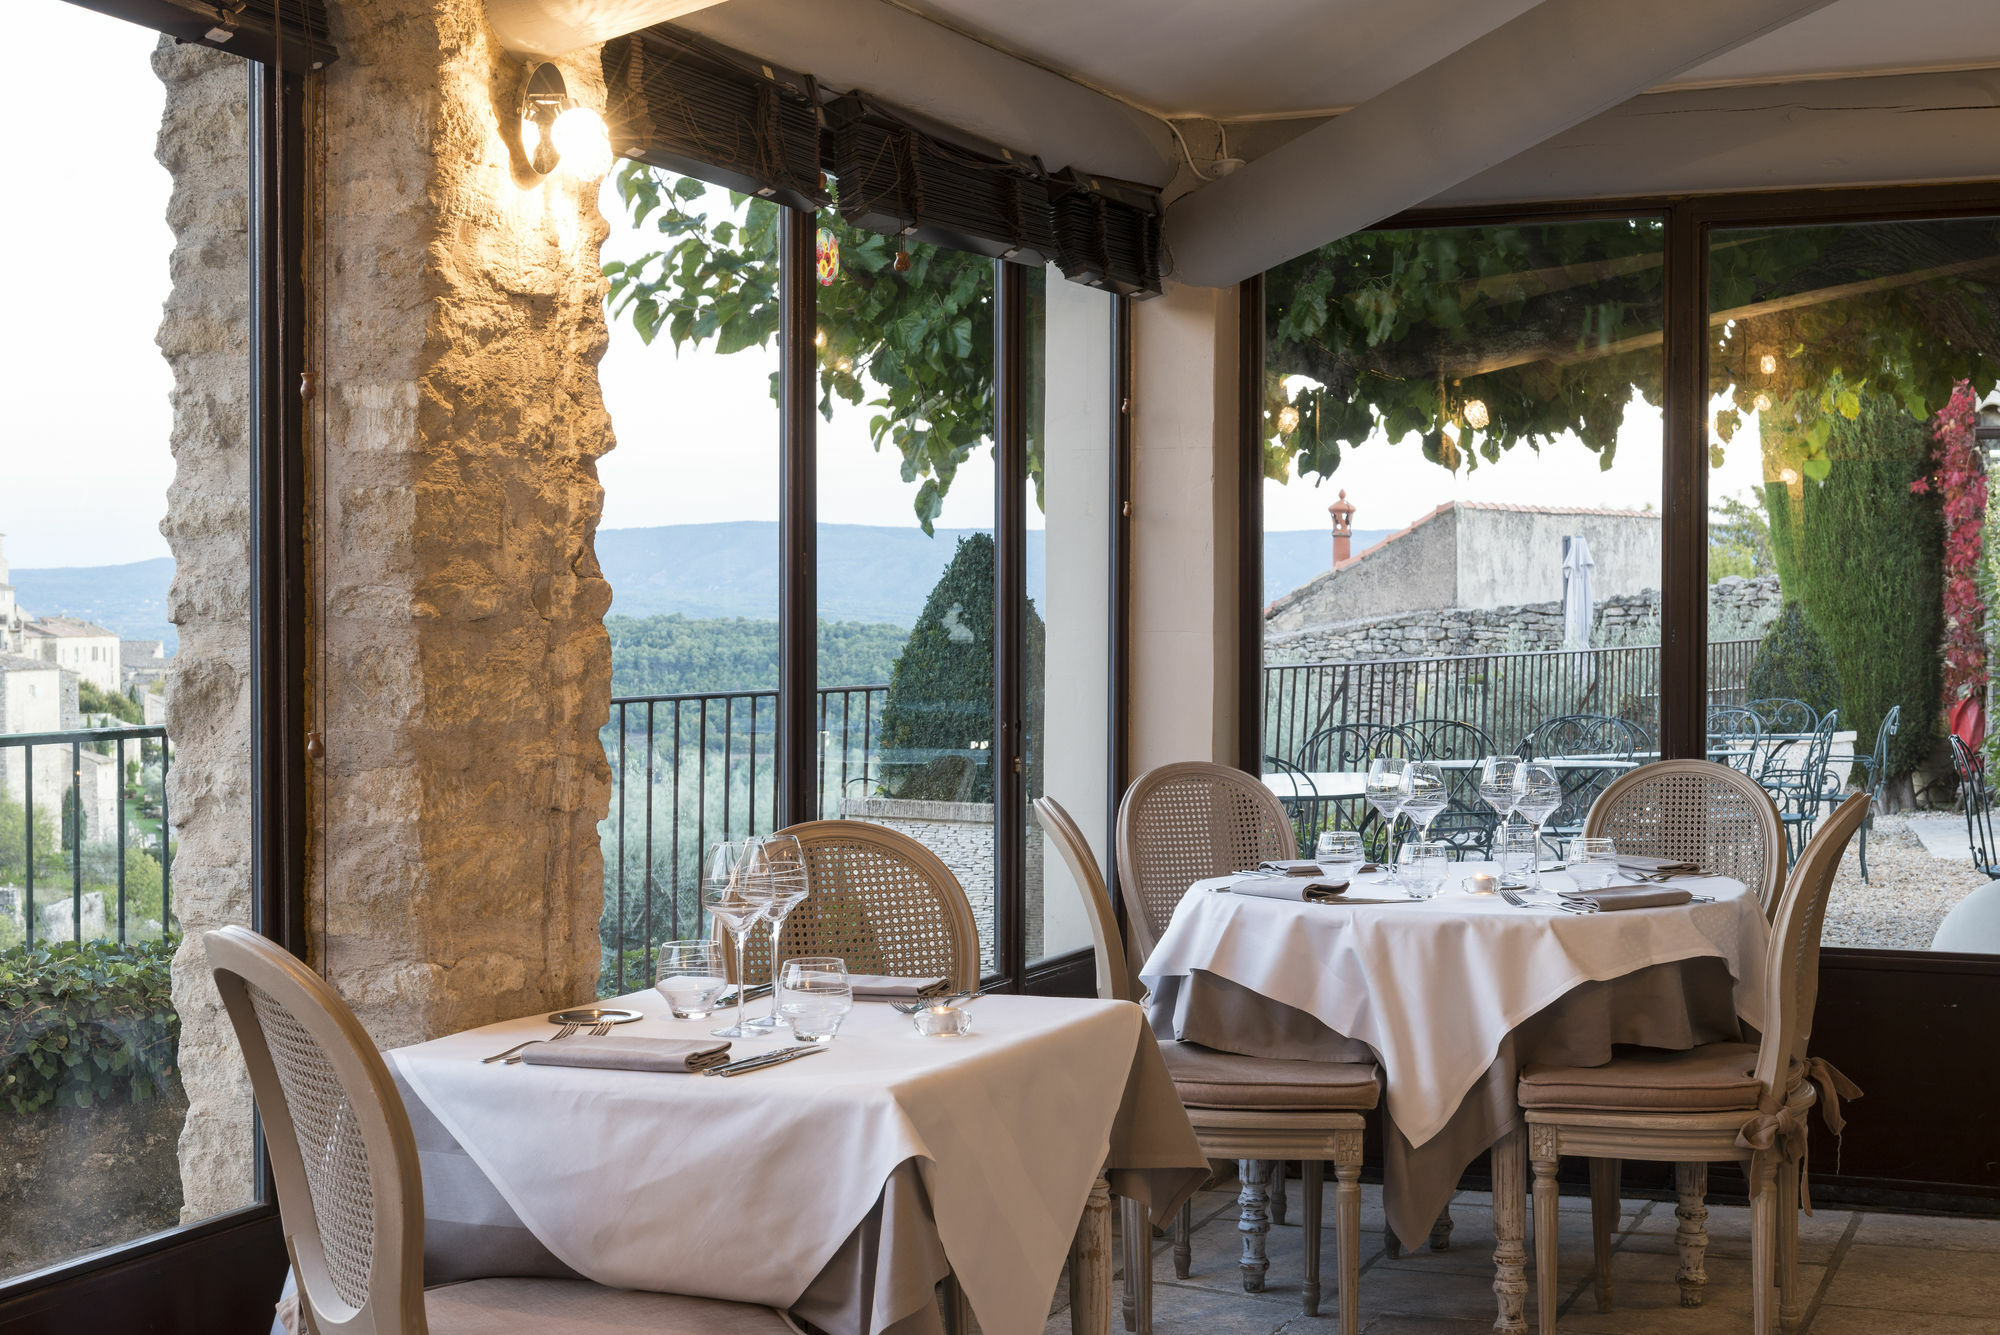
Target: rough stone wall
<point>204,335</point>
<point>468,666</point>
<point>1737,608</point>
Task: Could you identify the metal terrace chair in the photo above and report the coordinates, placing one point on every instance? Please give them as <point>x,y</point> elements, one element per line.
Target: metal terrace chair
<point>1590,736</point>
<point>350,1193</point>
<point>1978,799</point>
<point>1310,812</point>
<point>1800,781</point>
<point>1876,766</point>
<point>1699,811</point>
<point>1348,748</point>
<point>1735,737</point>
<point>1785,715</point>
<point>1466,824</point>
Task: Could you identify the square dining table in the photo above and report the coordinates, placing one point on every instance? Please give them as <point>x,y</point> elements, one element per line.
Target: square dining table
<point>840,1187</point>
<point>1451,996</point>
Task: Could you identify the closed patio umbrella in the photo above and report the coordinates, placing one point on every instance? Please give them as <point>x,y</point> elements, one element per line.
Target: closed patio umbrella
<point>1577,606</point>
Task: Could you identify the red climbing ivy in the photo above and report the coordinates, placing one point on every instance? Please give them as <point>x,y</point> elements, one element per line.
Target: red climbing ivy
<point>1960,480</point>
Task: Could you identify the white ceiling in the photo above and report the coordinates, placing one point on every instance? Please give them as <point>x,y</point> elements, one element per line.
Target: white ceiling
<point>1246,58</point>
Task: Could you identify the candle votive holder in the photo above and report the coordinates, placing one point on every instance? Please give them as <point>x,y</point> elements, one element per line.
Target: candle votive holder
<point>942,1021</point>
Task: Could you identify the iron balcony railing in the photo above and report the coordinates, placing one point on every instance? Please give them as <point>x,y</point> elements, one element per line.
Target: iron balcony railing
<point>1504,695</point>
<point>77,829</point>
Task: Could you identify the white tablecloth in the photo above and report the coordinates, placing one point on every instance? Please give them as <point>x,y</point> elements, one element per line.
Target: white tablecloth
<point>1433,987</point>
<point>744,1188</point>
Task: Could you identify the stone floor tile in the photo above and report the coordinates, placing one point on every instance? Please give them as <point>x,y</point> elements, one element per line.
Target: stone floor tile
<point>1411,1291</point>
<point>1394,1324</point>
<point>1943,1231</point>
<point>1916,1279</point>
<point>1646,1300</point>
<point>1729,1233</point>
<point>1875,1321</point>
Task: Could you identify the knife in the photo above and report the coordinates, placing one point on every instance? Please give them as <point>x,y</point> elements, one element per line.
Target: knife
<point>777,1058</point>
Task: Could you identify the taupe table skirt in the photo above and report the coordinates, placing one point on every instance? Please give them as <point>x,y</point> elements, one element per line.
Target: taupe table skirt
<point>1678,1005</point>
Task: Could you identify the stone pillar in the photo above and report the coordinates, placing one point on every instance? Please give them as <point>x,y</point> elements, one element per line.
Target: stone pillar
<point>468,669</point>
<point>204,336</point>
<point>1184,522</point>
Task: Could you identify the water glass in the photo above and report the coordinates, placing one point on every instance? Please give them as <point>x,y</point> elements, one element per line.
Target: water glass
<point>1593,862</point>
<point>1426,864</point>
<point>690,977</point>
<point>1515,848</point>
<point>1338,853</point>
<point>814,996</point>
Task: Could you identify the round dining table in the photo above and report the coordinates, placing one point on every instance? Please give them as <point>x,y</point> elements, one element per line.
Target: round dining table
<point>1451,996</point>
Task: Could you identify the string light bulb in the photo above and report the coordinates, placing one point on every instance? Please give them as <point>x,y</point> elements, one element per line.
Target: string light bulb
<point>1476,415</point>
<point>1762,403</point>
<point>1288,420</point>
<point>1789,476</point>
<point>1768,364</point>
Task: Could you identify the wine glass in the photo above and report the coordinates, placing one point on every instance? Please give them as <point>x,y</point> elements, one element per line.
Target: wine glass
<point>1424,794</point>
<point>777,869</point>
<point>690,977</point>
<point>814,995</point>
<point>1537,794</point>
<point>1339,853</point>
<point>1496,784</point>
<point>1383,787</point>
<point>737,904</point>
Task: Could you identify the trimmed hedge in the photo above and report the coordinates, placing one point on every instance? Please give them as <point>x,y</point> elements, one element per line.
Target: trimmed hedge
<point>1794,663</point>
<point>86,1025</point>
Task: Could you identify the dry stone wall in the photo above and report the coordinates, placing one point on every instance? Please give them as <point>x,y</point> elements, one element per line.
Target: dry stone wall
<point>1738,609</point>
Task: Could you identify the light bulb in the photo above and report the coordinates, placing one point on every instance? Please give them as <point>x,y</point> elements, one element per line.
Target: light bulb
<point>1762,403</point>
<point>820,338</point>
<point>1789,477</point>
<point>531,137</point>
<point>1288,420</point>
<point>1475,414</point>
<point>1768,364</point>
<point>580,138</point>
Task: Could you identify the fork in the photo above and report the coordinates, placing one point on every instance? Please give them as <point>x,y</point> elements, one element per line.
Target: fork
<point>912,1007</point>
<point>563,1032</point>
<point>598,1030</point>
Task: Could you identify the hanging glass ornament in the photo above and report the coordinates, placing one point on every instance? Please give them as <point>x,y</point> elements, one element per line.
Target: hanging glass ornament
<point>826,256</point>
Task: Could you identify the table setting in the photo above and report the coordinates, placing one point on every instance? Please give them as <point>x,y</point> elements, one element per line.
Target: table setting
<point>1451,975</point>
<point>835,1156</point>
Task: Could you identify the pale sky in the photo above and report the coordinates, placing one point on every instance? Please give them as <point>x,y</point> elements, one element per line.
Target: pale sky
<point>86,460</point>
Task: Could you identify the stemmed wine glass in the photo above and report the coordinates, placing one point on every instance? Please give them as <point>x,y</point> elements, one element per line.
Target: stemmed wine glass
<point>777,869</point>
<point>1496,784</point>
<point>737,904</point>
<point>1383,788</point>
<point>1424,795</point>
<point>1537,794</point>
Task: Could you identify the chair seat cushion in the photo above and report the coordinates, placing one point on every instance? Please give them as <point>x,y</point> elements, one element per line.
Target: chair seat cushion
<point>1716,1077</point>
<point>578,1307</point>
<point>1207,1078</point>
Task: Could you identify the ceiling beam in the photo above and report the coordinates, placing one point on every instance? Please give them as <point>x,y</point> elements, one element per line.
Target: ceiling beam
<point>557,27</point>
<point>1533,77</point>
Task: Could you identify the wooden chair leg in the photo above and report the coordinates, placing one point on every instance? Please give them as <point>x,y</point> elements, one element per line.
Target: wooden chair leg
<point>1090,1266</point>
<point>1253,1221</point>
<point>1763,1243</point>
<point>1603,1223</point>
<point>1280,1207</point>
<point>1789,1310</point>
<point>1313,1174</point>
<point>1347,1226</point>
<point>1184,1240</point>
<point>1691,1234</point>
<point>1138,1224</point>
<point>1547,1229</point>
<point>1441,1230</point>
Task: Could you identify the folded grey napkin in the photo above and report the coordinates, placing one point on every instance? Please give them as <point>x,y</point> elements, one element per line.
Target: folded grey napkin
<point>1300,891</point>
<point>888,987</point>
<point>1657,866</point>
<point>1614,897</point>
<point>1290,867</point>
<point>629,1054</point>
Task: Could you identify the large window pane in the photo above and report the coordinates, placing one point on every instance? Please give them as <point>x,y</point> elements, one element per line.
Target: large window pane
<point>906,551</point>
<point>1067,620</point>
<point>1475,412</point>
<point>690,545</point>
<point>128,376</point>
<point>1848,564</point>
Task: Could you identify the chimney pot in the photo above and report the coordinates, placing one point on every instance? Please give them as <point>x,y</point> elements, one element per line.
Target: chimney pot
<point>1342,511</point>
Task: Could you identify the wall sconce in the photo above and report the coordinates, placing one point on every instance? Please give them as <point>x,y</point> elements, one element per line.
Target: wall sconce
<point>556,130</point>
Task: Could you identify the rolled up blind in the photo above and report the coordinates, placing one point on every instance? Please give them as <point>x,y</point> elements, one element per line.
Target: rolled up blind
<point>291,32</point>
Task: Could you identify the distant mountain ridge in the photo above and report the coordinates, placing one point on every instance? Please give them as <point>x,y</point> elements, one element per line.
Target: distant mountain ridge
<point>866,573</point>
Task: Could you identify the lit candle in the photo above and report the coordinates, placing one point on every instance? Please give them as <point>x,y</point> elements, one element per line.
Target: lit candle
<point>943,1021</point>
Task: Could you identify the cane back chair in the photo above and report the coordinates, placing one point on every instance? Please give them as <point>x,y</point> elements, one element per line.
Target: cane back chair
<point>1720,1101</point>
<point>1240,1106</point>
<point>1184,822</point>
<point>1710,814</point>
<point>350,1193</point>
<point>881,901</point>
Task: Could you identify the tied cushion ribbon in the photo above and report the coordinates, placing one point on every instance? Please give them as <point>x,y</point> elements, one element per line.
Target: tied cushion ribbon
<point>1779,1128</point>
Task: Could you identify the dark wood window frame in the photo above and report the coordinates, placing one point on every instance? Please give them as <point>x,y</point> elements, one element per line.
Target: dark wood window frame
<point>193,1278</point>
<point>1896,1020</point>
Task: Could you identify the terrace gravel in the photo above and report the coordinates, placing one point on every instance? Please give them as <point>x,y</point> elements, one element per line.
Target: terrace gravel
<point>1907,896</point>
